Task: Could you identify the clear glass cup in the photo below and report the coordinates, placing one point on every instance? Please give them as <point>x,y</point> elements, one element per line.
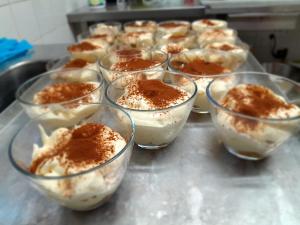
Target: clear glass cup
<point>201,104</point>
<point>251,137</point>
<point>156,128</point>
<point>204,24</point>
<point>179,27</point>
<point>217,35</point>
<point>66,112</point>
<point>111,74</point>
<point>86,189</point>
<point>140,25</point>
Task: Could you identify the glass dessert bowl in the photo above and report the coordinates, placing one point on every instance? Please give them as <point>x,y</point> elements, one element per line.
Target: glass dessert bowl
<point>204,24</point>
<point>67,165</point>
<point>140,25</point>
<point>176,27</point>
<point>217,35</point>
<point>159,107</point>
<point>110,28</point>
<point>126,61</point>
<point>137,39</point>
<point>202,66</point>
<point>256,113</point>
<point>60,99</point>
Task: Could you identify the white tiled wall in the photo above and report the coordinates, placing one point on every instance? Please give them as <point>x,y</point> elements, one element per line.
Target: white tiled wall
<point>38,21</point>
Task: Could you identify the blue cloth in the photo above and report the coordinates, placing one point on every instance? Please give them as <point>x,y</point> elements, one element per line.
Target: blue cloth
<point>11,48</point>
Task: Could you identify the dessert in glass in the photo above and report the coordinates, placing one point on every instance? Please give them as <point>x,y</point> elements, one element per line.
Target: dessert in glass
<point>171,48</point>
<point>85,70</point>
<point>59,100</point>
<point>79,166</point>
<point>187,40</point>
<point>140,25</point>
<point>204,24</point>
<point>121,62</point>
<point>237,53</point>
<point>87,51</point>
<point>99,39</point>
<point>105,28</point>
<point>158,107</point>
<point>217,35</point>
<point>140,39</point>
<point>178,27</point>
<point>256,114</point>
<point>202,65</point>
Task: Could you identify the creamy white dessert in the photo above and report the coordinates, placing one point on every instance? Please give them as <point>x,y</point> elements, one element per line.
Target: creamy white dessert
<point>204,24</point>
<point>121,64</point>
<point>172,48</point>
<point>237,54</point>
<point>155,128</point>
<point>102,28</point>
<point>100,39</point>
<point>139,39</point>
<point>253,137</point>
<point>87,51</point>
<point>140,25</point>
<point>69,74</point>
<point>71,151</point>
<point>187,40</point>
<point>202,69</point>
<point>216,35</point>
<point>174,27</point>
<point>64,103</point>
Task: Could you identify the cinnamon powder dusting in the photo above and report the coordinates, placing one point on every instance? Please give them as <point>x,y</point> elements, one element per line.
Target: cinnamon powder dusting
<point>76,63</point>
<point>175,37</point>
<point>226,47</point>
<point>83,46</point>
<point>98,36</point>
<point>61,92</point>
<point>198,67</point>
<point>133,64</point>
<point>208,22</point>
<point>128,52</point>
<point>256,101</point>
<point>88,144</point>
<point>171,25</point>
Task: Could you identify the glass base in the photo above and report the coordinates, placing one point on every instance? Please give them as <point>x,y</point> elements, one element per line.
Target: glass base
<point>199,111</point>
<point>246,155</point>
<point>152,147</point>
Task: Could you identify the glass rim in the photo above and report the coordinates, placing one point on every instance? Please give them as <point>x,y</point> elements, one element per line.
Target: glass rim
<point>217,105</point>
<point>32,175</point>
<point>183,22</point>
<point>100,64</point>
<point>152,110</point>
<point>213,76</point>
<point>48,74</point>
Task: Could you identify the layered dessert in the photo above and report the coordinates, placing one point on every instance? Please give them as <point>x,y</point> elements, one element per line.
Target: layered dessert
<point>172,48</point>
<point>66,103</point>
<point>140,39</point>
<point>187,40</point>
<point>69,151</point>
<point>217,35</point>
<point>87,51</point>
<point>86,74</point>
<point>174,27</point>
<point>202,68</point>
<point>140,26</point>
<point>237,54</point>
<point>106,28</point>
<point>155,126</point>
<point>124,62</point>
<point>204,24</point>
<point>253,136</point>
<point>100,39</point>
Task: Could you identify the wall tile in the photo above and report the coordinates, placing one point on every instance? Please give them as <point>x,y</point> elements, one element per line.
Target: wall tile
<point>44,14</point>
<point>3,2</point>
<point>7,24</point>
<point>60,35</point>
<point>25,19</point>
<point>59,8</point>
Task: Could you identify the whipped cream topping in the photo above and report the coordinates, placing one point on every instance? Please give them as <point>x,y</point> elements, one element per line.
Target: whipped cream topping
<point>83,46</point>
<point>69,151</point>
<point>200,25</point>
<point>258,101</point>
<point>216,35</point>
<point>133,64</point>
<point>151,95</point>
<point>102,28</point>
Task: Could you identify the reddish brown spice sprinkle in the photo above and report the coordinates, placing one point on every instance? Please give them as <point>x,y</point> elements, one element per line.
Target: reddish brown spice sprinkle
<point>76,63</point>
<point>226,47</point>
<point>176,37</point>
<point>83,46</point>
<point>86,145</point>
<point>208,22</point>
<point>62,92</point>
<point>158,93</point>
<point>135,34</point>
<point>198,67</point>
<point>98,36</point>
<point>174,49</point>
<point>128,52</point>
<point>171,25</point>
<point>133,64</point>
<point>255,101</point>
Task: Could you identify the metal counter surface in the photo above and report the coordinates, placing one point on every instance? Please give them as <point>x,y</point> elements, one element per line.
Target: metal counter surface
<point>193,181</point>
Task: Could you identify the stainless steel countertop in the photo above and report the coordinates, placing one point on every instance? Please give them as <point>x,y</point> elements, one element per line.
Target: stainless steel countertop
<point>193,181</point>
